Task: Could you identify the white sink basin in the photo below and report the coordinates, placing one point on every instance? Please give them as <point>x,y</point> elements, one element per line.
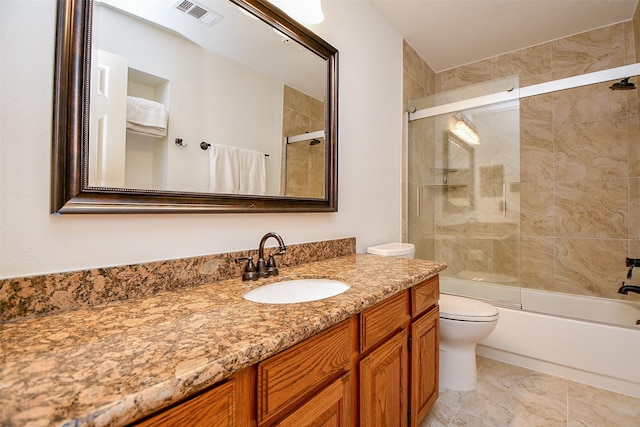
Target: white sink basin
<point>291,291</point>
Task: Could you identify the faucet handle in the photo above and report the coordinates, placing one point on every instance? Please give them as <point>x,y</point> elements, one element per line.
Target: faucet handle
<point>632,262</point>
<point>250,272</point>
<point>272,270</point>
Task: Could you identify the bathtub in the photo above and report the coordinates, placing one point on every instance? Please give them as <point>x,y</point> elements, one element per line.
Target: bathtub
<point>590,340</point>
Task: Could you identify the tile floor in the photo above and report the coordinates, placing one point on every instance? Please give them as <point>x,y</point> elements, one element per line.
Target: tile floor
<point>512,396</point>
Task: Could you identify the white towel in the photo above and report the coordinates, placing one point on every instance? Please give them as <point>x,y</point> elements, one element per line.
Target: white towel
<point>253,175</point>
<point>146,117</point>
<point>224,169</point>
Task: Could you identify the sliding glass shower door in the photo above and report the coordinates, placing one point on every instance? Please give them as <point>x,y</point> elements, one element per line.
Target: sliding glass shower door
<point>464,189</point>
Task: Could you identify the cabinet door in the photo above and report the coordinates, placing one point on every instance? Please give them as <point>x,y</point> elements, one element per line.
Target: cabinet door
<point>328,408</point>
<point>383,384</point>
<point>286,379</point>
<point>424,365</point>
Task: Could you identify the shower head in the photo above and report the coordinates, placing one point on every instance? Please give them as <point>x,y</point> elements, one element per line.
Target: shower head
<point>314,141</point>
<point>624,84</point>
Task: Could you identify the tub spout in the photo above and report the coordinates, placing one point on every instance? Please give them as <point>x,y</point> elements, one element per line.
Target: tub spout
<point>625,289</point>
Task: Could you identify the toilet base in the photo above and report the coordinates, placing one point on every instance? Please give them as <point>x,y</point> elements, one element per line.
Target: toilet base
<point>458,367</point>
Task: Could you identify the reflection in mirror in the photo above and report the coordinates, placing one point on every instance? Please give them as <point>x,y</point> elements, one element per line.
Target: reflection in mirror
<point>238,75</point>
<point>247,104</point>
<point>458,172</point>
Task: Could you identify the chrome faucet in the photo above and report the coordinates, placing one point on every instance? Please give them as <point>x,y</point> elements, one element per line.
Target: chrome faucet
<point>268,268</point>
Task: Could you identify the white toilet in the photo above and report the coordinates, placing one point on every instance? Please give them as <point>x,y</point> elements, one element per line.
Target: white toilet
<point>463,322</point>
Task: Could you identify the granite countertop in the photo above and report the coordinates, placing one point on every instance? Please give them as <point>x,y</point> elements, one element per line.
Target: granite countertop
<point>115,363</point>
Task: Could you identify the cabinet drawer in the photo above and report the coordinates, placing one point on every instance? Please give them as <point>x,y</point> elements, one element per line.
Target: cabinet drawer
<point>230,403</point>
<point>288,377</point>
<point>424,296</point>
<point>215,407</point>
<point>383,319</point>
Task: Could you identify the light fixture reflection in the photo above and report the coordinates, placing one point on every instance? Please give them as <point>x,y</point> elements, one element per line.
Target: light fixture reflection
<point>304,11</point>
<point>465,130</point>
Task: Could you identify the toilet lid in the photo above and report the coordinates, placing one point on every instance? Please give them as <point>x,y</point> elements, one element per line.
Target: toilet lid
<point>460,308</point>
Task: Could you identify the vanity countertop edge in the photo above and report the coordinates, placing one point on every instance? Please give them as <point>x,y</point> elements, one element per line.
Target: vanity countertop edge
<point>115,363</point>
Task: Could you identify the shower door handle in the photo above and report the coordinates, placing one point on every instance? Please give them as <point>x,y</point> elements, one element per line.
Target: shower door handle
<point>418,200</point>
<point>504,200</point>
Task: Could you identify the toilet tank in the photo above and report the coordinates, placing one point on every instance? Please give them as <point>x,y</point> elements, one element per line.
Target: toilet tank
<point>400,250</point>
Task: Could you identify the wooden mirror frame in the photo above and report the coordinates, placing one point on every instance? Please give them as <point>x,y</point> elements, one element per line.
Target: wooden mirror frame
<point>70,192</point>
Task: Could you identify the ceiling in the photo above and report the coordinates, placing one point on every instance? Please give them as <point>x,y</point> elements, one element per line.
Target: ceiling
<point>450,33</point>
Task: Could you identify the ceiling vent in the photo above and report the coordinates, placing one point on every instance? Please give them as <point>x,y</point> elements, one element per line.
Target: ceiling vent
<point>201,13</point>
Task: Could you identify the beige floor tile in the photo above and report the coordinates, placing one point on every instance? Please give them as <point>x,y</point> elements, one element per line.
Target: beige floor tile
<point>511,396</point>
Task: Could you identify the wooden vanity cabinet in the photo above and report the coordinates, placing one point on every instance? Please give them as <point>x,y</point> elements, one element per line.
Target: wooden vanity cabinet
<point>383,363</point>
<point>399,357</point>
<point>379,367</point>
<point>229,404</point>
<point>424,353</point>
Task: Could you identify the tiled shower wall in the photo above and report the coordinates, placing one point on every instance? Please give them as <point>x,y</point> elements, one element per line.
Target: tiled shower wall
<point>580,160</point>
<point>304,173</point>
<point>418,82</point>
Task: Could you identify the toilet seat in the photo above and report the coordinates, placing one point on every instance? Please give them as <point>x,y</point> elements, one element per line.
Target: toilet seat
<point>466,309</point>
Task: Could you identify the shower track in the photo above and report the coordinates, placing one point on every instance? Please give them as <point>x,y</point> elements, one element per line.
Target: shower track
<point>525,92</point>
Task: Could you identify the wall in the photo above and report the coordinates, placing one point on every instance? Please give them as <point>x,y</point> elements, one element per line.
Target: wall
<point>34,242</point>
<point>580,179</point>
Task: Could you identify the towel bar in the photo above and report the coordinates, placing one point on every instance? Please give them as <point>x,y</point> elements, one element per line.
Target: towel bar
<point>205,146</point>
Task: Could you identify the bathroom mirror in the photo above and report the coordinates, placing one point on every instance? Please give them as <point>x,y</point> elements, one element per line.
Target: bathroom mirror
<point>78,159</point>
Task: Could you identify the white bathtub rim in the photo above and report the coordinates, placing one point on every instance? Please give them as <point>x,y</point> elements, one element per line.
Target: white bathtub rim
<point>545,302</point>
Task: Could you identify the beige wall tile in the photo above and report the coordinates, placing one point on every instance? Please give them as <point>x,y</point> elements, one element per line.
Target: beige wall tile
<point>590,266</point>
<point>633,145</point>
<point>592,208</point>
<point>634,209</point>
<point>294,122</point>
<point>569,106</point>
<point>604,64</point>
<point>536,154</point>
<point>455,78</point>
<point>506,258</point>
<point>304,175</point>
<point>591,150</point>
<point>316,110</point>
<point>629,43</point>
<point>534,80</point>
<point>412,63</point>
<point>636,31</point>
<point>532,61</point>
<point>296,100</point>
<point>412,90</point>
<point>536,204</point>
<point>589,47</point>
<point>537,256</point>
<point>536,111</point>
